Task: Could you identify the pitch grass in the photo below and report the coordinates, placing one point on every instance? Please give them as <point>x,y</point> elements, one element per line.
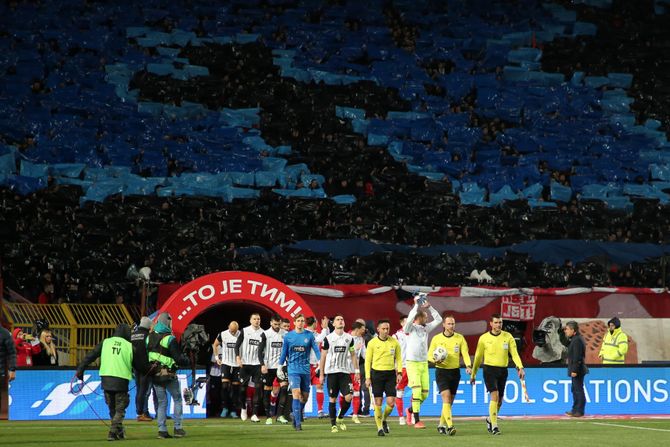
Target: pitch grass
<point>515,433</point>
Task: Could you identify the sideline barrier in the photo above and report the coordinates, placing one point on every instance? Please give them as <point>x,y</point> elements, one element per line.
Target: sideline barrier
<point>46,395</point>
<point>645,390</point>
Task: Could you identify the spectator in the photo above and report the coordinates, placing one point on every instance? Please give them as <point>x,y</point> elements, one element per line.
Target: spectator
<point>48,355</point>
<point>47,294</point>
<point>26,347</point>
<point>313,127</point>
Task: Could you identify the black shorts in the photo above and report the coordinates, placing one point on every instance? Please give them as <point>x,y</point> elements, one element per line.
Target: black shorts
<point>230,373</point>
<point>447,379</point>
<point>383,382</point>
<point>339,383</point>
<point>495,378</point>
<point>250,372</point>
<point>269,377</point>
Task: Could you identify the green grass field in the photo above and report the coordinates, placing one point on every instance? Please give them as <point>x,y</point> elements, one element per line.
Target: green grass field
<point>515,433</point>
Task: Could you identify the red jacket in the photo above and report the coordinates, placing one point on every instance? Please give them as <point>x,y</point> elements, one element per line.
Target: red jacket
<point>24,350</point>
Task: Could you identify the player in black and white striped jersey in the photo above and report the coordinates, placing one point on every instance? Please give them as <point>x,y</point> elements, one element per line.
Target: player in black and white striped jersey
<point>269,352</point>
<point>338,362</point>
<point>311,325</point>
<point>284,399</point>
<point>224,347</point>
<point>246,354</point>
<point>214,408</point>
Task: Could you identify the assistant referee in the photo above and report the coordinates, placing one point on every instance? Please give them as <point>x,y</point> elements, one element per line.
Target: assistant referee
<point>494,348</point>
<point>383,370</point>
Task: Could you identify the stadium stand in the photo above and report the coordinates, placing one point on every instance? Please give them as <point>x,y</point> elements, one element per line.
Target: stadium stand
<point>435,138</point>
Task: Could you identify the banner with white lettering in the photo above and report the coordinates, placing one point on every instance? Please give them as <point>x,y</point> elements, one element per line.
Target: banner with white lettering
<point>46,394</point>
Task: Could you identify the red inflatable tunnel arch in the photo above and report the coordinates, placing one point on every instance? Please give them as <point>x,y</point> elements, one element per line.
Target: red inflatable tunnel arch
<point>197,296</point>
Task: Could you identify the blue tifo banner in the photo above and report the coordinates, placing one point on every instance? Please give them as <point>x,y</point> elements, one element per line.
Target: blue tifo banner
<point>46,394</point>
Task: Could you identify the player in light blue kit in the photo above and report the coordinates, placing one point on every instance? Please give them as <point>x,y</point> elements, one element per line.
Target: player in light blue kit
<point>296,350</point>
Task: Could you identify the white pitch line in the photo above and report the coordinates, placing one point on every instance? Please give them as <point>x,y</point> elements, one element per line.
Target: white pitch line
<point>631,426</point>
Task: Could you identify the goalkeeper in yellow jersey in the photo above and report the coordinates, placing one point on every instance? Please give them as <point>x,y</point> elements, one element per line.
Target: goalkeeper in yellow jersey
<point>493,349</point>
<point>447,369</point>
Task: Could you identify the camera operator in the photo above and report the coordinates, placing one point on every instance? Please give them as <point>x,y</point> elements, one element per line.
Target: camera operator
<point>165,356</point>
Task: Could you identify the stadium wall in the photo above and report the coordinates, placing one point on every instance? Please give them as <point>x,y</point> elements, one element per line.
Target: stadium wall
<point>644,312</point>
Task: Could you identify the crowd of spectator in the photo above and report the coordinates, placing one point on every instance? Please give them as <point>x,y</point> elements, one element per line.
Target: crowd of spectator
<point>55,249</point>
<point>82,254</point>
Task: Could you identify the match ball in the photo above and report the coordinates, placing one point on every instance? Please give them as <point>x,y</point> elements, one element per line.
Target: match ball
<point>439,354</point>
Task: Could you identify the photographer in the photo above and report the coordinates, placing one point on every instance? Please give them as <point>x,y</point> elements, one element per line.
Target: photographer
<point>26,347</point>
<point>165,356</point>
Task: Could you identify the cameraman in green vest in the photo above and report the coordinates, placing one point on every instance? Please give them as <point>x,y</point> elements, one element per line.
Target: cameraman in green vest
<point>116,366</point>
<point>165,356</point>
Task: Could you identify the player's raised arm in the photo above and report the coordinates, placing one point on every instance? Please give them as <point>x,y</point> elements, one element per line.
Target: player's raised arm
<point>437,320</point>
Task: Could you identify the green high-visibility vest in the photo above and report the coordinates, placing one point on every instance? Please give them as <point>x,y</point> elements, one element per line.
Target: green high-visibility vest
<point>158,353</point>
<point>116,359</point>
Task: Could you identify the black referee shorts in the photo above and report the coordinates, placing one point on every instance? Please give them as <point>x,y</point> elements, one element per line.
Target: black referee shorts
<point>339,383</point>
<point>495,378</point>
<point>230,373</point>
<point>447,379</point>
<point>383,382</point>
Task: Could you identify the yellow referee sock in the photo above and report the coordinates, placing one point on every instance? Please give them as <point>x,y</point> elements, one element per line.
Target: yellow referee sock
<point>387,411</point>
<point>446,414</point>
<point>378,417</point>
<point>493,413</point>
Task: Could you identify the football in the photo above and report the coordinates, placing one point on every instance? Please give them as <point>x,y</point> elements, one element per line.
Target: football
<point>439,354</point>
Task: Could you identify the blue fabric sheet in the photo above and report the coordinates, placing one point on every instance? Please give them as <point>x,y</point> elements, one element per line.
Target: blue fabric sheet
<point>551,251</point>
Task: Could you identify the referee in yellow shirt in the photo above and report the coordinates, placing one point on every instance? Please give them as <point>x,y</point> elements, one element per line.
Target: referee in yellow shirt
<point>383,370</point>
<point>448,372</point>
<point>494,349</point>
